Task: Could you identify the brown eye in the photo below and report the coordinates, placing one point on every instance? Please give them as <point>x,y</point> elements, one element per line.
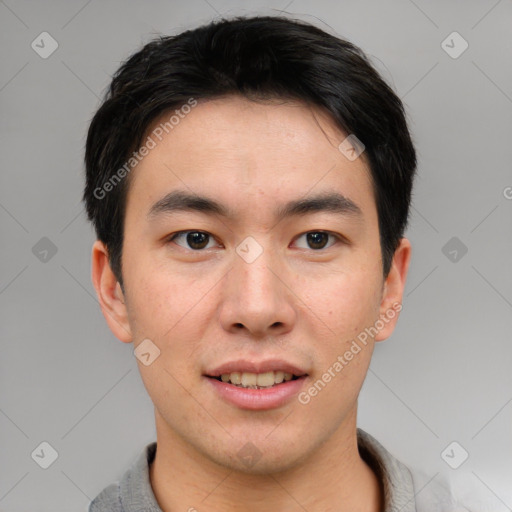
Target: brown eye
<point>318,240</point>
<point>195,240</point>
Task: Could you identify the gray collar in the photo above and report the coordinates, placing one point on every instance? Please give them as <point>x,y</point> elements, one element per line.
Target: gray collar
<point>394,475</point>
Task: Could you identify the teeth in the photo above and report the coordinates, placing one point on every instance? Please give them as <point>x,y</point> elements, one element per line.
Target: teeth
<point>256,380</point>
<point>265,379</point>
<point>249,379</point>
<point>235,378</point>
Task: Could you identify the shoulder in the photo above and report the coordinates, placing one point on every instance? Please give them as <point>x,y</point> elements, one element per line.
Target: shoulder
<point>131,490</point>
<point>108,500</point>
<point>433,493</point>
<point>409,488</point>
<point>456,493</point>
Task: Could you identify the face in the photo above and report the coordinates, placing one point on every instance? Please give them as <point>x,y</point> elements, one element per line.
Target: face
<point>277,270</point>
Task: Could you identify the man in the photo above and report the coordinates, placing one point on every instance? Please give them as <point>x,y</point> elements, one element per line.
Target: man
<point>249,182</point>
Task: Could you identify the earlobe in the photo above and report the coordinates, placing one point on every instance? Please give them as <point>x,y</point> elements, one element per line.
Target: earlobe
<point>110,294</point>
<point>391,303</point>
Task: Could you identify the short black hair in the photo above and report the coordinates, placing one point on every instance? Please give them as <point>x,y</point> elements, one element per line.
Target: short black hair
<point>258,57</point>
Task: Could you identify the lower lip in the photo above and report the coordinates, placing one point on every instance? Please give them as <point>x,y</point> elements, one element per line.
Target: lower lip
<point>258,399</point>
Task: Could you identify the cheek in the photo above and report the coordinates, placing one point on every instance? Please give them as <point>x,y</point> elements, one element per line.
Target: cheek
<point>343,349</point>
<point>158,298</point>
<point>343,301</point>
<point>170,309</point>
<point>336,384</point>
<point>341,310</point>
<point>162,309</point>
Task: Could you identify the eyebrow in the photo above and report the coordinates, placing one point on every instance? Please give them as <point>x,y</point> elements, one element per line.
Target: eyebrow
<point>331,202</point>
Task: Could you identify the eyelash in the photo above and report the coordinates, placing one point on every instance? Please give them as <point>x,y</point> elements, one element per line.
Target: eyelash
<point>338,237</point>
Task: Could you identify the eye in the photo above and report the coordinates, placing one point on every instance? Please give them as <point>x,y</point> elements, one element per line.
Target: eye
<point>318,239</point>
<point>196,240</point>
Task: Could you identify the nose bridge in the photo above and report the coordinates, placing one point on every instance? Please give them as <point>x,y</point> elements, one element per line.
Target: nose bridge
<point>255,267</point>
<point>254,294</point>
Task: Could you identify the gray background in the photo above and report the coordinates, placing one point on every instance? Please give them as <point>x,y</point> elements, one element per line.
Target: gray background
<point>443,376</point>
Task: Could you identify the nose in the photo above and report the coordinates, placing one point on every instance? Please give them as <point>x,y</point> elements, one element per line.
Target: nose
<point>257,298</point>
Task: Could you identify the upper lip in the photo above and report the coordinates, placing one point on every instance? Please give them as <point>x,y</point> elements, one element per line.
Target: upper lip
<point>242,365</point>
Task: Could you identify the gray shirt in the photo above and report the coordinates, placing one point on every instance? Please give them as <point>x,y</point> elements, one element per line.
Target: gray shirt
<point>404,490</point>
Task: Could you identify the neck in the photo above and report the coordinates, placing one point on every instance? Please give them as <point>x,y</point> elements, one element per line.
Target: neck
<point>335,477</point>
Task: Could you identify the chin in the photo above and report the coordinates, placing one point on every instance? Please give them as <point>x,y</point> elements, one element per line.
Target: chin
<point>265,465</point>
<point>260,457</point>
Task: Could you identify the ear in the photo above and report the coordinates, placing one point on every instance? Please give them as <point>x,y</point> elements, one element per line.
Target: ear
<point>391,303</point>
<point>109,293</point>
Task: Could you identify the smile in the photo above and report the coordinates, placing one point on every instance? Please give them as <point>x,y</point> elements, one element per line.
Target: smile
<point>257,380</point>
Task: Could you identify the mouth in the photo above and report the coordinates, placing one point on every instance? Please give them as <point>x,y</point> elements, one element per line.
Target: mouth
<point>256,386</point>
<point>251,380</point>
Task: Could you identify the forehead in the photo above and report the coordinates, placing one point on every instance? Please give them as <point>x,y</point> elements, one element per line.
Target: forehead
<point>235,148</point>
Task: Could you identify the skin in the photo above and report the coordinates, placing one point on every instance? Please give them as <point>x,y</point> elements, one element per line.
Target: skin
<point>295,302</point>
